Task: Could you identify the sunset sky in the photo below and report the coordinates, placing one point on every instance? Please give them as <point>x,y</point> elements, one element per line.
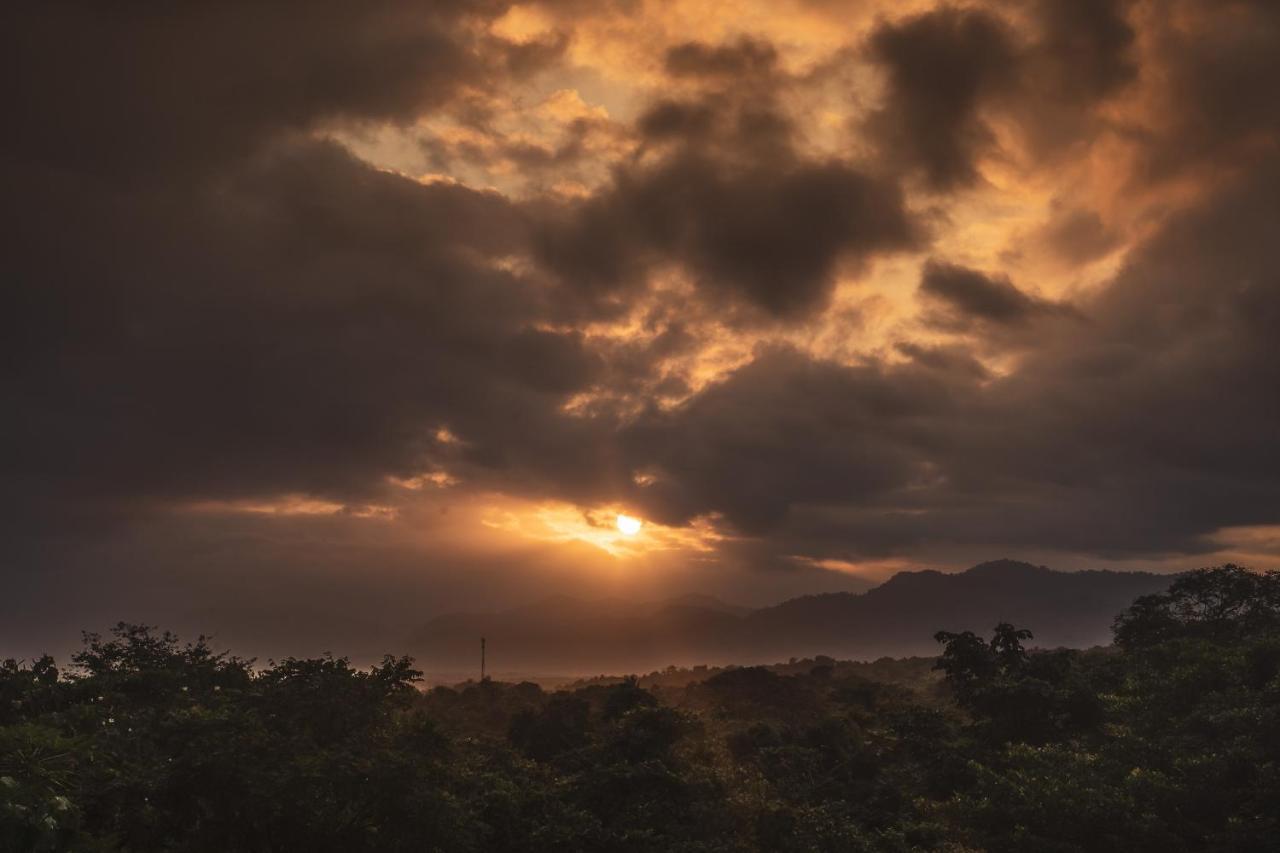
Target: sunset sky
<point>323,317</point>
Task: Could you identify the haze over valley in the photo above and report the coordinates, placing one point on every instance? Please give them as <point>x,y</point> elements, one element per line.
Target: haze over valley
<point>565,636</point>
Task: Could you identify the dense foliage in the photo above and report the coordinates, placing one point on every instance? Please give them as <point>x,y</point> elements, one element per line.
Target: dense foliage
<point>1169,741</point>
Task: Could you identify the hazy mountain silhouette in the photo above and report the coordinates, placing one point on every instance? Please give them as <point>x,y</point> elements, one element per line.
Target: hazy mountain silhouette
<point>899,617</point>
<point>568,635</point>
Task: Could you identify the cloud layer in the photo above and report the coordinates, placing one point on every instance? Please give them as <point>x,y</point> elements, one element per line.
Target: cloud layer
<point>362,292</point>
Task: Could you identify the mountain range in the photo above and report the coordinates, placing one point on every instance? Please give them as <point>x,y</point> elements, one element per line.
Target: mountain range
<point>565,635</point>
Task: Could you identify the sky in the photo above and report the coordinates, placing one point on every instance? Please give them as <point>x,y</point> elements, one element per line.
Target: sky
<point>325,317</point>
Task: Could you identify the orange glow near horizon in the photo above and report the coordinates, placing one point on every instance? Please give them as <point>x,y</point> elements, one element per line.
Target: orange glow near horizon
<point>290,505</point>
<point>608,528</point>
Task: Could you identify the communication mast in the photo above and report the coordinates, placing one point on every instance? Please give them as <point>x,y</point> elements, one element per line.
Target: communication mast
<point>483,677</point>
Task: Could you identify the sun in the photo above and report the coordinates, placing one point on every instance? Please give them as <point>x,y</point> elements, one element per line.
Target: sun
<point>629,525</point>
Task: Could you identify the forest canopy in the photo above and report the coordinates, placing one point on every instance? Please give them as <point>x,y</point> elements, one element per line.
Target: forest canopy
<point>1167,740</point>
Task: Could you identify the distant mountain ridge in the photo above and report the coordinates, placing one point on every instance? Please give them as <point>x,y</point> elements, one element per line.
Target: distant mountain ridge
<point>565,635</point>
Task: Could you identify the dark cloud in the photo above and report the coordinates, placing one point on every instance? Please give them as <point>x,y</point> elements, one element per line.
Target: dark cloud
<point>766,237</point>
<point>939,68</point>
<point>787,430</point>
<point>213,305</point>
<point>739,113</point>
<point>673,119</point>
<point>725,193</point>
<point>1152,426</point>
<point>1077,236</point>
<point>1141,432</point>
<point>949,70</point>
<point>1220,63</point>
<point>946,359</point>
<point>970,295</point>
<point>144,86</point>
<point>553,362</point>
<point>746,56</point>
<point>302,324</point>
<point>1078,56</point>
<point>1172,373</point>
<point>1086,48</point>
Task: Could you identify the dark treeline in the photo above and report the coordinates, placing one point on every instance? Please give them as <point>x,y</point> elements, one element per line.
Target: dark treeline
<point>1166,741</point>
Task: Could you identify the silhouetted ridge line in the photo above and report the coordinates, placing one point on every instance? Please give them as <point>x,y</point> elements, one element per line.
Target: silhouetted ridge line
<point>565,635</point>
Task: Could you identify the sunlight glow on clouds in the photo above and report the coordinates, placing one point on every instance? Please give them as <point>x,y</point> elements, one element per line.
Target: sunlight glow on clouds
<point>613,532</point>
<point>292,505</point>
<point>628,525</point>
<point>805,285</point>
